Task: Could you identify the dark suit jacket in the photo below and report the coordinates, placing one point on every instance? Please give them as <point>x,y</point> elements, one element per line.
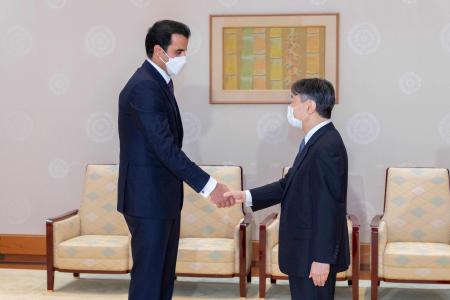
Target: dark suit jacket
<point>313,225</point>
<point>152,165</point>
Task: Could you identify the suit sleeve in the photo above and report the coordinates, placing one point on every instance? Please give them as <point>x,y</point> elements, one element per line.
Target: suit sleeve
<point>150,116</point>
<point>329,209</point>
<point>269,194</point>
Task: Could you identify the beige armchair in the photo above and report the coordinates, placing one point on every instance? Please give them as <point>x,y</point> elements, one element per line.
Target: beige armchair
<point>215,242</point>
<point>410,242</point>
<point>268,253</point>
<point>95,238</point>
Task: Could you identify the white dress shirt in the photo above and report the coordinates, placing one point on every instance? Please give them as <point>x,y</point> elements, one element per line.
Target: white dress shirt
<point>248,195</point>
<point>212,183</point>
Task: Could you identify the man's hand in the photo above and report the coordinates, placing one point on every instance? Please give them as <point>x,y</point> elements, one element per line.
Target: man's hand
<point>218,198</point>
<point>319,273</point>
<point>238,196</point>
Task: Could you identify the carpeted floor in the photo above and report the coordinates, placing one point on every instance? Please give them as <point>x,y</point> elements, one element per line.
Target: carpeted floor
<point>31,285</point>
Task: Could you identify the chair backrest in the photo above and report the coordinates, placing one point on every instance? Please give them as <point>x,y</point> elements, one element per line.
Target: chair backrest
<point>417,205</point>
<point>202,219</point>
<point>98,212</point>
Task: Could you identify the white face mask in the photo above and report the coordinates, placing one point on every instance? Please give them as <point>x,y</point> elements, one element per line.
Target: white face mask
<point>174,65</point>
<point>291,118</point>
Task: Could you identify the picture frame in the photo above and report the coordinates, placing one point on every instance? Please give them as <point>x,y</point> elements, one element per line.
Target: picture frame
<point>254,59</point>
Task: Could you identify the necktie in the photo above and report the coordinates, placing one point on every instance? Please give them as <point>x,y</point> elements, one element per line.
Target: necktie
<point>302,145</point>
<point>170,84</point>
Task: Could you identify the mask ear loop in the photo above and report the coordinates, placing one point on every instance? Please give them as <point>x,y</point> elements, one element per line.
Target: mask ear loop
<point>165,53</point>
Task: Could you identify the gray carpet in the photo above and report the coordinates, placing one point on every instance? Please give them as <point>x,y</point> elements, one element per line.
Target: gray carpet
<point>31,285</point>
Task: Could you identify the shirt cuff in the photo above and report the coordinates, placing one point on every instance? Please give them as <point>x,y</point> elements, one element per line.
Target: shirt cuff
<point>248,199</point>
<point>209,187</point>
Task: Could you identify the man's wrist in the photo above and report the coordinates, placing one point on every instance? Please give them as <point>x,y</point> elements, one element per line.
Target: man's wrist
<point>209,187</point>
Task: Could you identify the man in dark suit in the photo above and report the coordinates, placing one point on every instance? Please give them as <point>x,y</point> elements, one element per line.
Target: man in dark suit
<point>313,237</point>
<point>153,166</point>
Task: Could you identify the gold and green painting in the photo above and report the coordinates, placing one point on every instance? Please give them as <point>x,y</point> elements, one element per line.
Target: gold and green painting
<point>272,58</point>
<point>256,58</point>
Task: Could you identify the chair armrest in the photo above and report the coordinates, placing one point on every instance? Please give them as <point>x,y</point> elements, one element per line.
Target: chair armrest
<point>355,221</point>
<point>375,224</point>
<point>246,221</point>
<point>355,247</point>
<point>266,228</point>
<point>268,220</point>
<point>268,237</point>
<point>243,239</point>
<point>59,229</point>
<point>63,216</point>
<point>63,227</point>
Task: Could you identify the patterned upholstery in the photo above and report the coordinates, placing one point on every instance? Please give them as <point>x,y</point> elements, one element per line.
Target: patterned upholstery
<point>414,234</point>
<point>97,238</point>
<point>201,218</point>
<point>209,238</point>
<point>94,252</point>
<point>418,205</point>
<point>98,211</point>
<point>206,256</point>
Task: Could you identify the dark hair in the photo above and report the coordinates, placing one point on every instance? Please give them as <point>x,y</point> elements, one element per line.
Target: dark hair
<point>320,91</point>
<point>161,34</point>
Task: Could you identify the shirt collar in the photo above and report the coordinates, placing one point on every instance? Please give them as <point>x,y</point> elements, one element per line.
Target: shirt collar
<point>314,130</point>
<point>161,71</point>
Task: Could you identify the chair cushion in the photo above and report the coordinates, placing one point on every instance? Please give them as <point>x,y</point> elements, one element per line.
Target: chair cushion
<point>207,250</point>
<point>94,247</point>
<point>417,261</point>
<point>417,255</point>
<point>94,253</point>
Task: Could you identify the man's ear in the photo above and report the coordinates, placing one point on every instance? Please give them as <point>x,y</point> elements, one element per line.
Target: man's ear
<point>158,52</point>
<point>311,106</point>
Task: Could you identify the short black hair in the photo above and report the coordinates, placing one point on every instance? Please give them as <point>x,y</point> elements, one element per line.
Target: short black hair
<point>320,91</point>
<point>161,34</point>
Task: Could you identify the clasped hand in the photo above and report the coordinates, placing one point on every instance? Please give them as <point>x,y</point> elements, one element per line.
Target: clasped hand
<point>223,197</point>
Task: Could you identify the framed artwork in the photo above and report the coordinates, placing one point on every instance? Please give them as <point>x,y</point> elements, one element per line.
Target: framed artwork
<point>256,58</point>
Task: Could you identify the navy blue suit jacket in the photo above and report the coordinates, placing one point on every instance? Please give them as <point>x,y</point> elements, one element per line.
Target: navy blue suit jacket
<point>313,196</point>
<point>152,165</point>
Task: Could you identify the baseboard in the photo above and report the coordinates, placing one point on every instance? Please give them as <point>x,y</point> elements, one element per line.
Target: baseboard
<point>23,251</point>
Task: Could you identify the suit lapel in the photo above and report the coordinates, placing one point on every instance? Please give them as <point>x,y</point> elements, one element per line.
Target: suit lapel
<point>170,97</point>
<point>301,156</point>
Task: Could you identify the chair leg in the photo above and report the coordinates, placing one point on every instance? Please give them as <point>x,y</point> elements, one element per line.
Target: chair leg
<point>249,276</point>
<point>50,279</point>
<point>374,289</point>
<point>76,275</point>
<point>262,285</point>
<point>243,285</point>
<point>355,289</point>
<point>273,281</point>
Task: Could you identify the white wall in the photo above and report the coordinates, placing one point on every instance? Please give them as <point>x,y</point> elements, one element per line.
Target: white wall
<point>63,64</point>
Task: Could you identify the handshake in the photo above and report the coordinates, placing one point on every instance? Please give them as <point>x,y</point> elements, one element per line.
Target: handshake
<point>223,197</point>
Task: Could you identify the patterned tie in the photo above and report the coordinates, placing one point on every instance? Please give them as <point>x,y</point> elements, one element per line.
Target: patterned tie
<point>170,84</point>
<point>302,145</point>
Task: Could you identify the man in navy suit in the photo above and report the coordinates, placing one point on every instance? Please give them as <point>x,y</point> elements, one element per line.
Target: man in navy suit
<point>152,165</point>
<point>313,236</point>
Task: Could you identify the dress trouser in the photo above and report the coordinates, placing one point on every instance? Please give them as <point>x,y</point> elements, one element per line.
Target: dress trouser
<point>303,288</point>
<point>154,247</point>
